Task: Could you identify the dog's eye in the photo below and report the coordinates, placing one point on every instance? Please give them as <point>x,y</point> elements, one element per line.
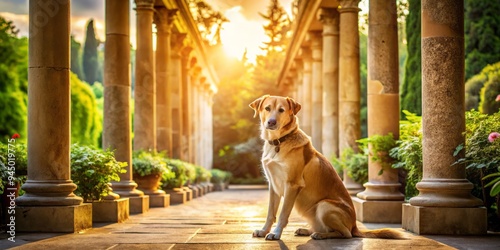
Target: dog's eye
<point>268,108</point>
<point>281,110</point>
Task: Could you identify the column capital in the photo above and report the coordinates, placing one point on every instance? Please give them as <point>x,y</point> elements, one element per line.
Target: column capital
<point>328,16</point>
<point>349,6</point>
<point>177,43</point>
<point>164,18</point>
<point>144,4</point>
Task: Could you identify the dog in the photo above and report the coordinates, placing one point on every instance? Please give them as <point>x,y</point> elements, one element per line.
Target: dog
<point>303,177</point>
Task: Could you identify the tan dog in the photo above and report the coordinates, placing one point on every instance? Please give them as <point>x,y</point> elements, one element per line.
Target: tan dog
<point>304,177</point>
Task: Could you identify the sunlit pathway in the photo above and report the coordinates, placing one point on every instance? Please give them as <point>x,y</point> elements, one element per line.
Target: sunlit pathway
<point>221,220</point>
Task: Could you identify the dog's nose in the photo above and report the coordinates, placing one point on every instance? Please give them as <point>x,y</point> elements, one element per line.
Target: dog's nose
<point>271,122</point>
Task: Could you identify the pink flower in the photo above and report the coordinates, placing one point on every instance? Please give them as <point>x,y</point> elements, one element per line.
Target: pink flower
<point>498,98</point>
<point>493,136</point>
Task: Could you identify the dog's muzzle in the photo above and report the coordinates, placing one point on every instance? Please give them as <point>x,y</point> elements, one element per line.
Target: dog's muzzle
<point>271,124</point>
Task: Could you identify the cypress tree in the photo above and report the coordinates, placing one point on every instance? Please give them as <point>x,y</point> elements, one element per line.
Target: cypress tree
<point>90,63</point>
<point>76,59</point>
<point>482,35</point>
<point>411,89</point>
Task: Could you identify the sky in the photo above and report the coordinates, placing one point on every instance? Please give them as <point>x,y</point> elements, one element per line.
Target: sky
<point>244,31</point>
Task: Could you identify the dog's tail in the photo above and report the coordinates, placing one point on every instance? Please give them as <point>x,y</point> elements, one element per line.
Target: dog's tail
<point>383,233</point>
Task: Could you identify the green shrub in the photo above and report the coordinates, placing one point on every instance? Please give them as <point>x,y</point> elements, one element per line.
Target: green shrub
<point>220,176</point>
<point>489,93</point>
<point>92,169</point>
<point>379,148</point>
<point>13,163</point>
<point>356,164</point>
<point>202,174</point>
<point>180,174</point>
<point>408,153</point>
<point>147,163</point>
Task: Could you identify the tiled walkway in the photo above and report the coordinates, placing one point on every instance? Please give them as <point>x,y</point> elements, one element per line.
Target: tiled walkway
<point>223,220</point>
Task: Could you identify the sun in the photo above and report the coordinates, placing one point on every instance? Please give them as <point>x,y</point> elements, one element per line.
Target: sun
<point>240,35</point>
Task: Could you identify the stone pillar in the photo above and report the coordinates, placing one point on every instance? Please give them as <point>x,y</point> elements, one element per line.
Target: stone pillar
<point>186,104</point>
<point>300,89</point>
<point>306,91</point>
<point>349,84</point>
<point>317,89</point>
<point>163,19</point>
<point>195,72</point>
<point>49,204</point>
<point>445,204</point>
<point>176,94</point>
<point>330,144</point>
<point>145,90</point>
<point>381,201</point>
<point>116,131</point>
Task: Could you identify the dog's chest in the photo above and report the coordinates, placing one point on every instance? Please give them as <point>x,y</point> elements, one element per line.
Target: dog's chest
<point>276,171</point>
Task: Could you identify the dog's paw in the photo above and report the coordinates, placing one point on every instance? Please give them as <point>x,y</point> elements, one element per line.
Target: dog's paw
<point>259,233</point>
<point>273,236</point>
<point>302,232</point>
<point>317,236</point>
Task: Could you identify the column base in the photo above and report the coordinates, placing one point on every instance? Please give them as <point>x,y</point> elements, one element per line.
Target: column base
<point>219,186</point>
<point>189,193</point>
<point>56,219</point>
<point>177,196</point>
<point>444,220</point>
<point>139,204</point>
<point>196,191</point>
<point>377,211</point>
<point>110,210</point>
<point>201,190</point>
<point>161,200</point>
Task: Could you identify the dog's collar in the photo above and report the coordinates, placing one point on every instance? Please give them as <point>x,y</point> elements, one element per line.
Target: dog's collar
<point>277,142</point>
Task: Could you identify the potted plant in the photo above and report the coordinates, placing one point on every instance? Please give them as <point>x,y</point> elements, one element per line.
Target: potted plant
<point>219,179</point>
<point>173,186</point>
<point>148,171</point>
<point>92,170</point>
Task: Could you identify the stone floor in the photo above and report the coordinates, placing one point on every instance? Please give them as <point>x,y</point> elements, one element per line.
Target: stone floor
<point>224,220</point>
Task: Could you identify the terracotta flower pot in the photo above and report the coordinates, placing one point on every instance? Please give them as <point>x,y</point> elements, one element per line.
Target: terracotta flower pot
<point>149,184</point>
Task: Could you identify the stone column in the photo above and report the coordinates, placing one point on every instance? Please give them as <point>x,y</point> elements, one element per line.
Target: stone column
<point>116,131</point>
<point>163,19</point>
<point>49,204</point>
<point>176,94</point>
<point>330,144</point>
<point>381,201</point>
<point>306,123</point>
<point>186,104</point>
<point>145,90</point>
<point>317,89</point>
<point>349,84</point>
<point>300,89</point>
<point>194,110</point>
<point>445,204</point>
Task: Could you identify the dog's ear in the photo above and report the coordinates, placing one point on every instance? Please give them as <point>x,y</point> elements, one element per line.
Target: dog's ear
<point>294,106</point>
<point>255,105</point>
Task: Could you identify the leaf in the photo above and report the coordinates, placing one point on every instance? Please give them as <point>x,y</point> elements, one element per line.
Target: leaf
<point>497,180</point>
<point>458,149</point>
<point>495,190</point>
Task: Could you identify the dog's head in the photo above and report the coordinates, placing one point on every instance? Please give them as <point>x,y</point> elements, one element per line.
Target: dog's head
<point>275,112</point>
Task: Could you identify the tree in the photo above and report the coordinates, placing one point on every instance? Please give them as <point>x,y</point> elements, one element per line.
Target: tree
<point>76,59</point>
<point>209,21</point>
<point>13,80</point>
<point>277,27</point>
<point>86,121</point>
<point>482,35</point>
<point>411,89</point>
<point>90,63</point>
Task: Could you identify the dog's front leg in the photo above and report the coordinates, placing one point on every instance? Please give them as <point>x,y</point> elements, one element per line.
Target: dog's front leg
<point>291,192</point>
<point>274,203</point>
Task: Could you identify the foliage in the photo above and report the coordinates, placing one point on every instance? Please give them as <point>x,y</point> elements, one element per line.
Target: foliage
<point>482,35</point>
<point>277,27</point>
<point>13,81</point>
<point>86,121</point>
<point>495,183</point>
<point>475,85</point>
<point>489,92</point>
<point>151,163</point>
<point>92,169</point>
<point>13,163</point>
<point>356,164</point>
<point>411,88</point>
<point>408,153</point>
<point>90,60</point>
<point>76,58</point>
<point>242,160</point>
<point>180,174</point>
<point>220,176</point>
<point>379,148</point>
<point>363,62</point>
<point>208,20</point>
<point>202,174</point>
<point>482,158</point>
